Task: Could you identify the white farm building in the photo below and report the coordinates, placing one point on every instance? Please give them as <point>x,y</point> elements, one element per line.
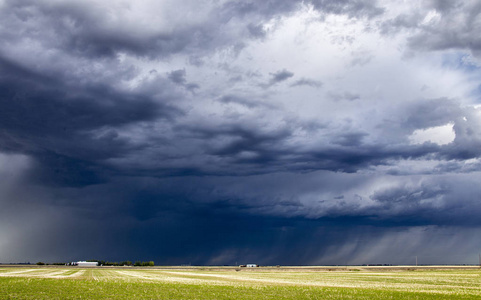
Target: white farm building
<point>86,263</point>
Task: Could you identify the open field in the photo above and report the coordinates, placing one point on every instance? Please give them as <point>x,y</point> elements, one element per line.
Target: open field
<point>233,283</point>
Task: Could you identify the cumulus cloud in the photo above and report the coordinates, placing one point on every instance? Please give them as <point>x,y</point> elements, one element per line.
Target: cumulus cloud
<point>439,25</point>
<point>450,26</point>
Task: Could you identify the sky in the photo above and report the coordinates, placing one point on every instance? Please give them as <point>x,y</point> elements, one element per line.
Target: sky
<point>222,132</point>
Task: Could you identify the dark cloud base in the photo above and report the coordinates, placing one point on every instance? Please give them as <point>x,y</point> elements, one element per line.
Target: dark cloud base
<point>230,239</point>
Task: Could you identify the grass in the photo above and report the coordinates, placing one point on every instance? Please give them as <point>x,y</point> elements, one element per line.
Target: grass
<point>217,283</point>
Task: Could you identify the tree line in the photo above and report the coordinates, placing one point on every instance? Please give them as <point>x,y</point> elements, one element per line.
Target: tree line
<point>124,263</point>
<point>110,263</point>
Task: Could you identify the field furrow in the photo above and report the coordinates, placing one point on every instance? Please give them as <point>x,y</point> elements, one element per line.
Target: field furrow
<point>235,283</point>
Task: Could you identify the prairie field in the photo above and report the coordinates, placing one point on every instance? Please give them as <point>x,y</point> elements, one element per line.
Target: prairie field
<point>240,283</point>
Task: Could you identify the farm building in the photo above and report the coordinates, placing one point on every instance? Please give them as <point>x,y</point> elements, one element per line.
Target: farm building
<point>252,265</point>
<point>86,263</point>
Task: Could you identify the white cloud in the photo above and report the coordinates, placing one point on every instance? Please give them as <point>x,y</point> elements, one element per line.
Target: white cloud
<point>441,135</point>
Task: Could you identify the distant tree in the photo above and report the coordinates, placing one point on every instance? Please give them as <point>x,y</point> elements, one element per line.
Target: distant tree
<point>151,264</point>
<point>138,263</point>
<point>40,263</point>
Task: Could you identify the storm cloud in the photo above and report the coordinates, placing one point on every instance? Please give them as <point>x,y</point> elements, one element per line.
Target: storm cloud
<point>223,132</point>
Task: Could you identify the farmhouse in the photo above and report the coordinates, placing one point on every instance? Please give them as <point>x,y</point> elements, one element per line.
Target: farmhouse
<point>252,265</point>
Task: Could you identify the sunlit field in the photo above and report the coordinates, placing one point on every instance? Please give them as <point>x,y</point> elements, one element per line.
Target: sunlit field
<point>240,283</point>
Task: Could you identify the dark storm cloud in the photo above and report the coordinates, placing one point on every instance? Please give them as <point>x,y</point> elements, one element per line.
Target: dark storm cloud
<point>57,123</point>
<point>255,151</point>
<point>354,158</point>
<point>178,166</point>
<point>441,200</point>
<point>214,201</point>
<point>250,150</point>
<point>87,30</point>
<point>206,222</point>
<point>241,146</point>
<point>27,97</point>
<point>421,201</point>
<point>78,29</point>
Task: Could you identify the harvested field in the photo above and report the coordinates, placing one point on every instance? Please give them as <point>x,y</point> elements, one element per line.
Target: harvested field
<point>235,283</point>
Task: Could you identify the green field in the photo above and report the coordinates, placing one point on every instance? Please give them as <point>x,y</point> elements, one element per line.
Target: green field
<point>237,283</point>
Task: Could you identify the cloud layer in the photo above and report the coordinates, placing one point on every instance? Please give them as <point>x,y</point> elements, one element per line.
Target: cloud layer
<point>219,132</point>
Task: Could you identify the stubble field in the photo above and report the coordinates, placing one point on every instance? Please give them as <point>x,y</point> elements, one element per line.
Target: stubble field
<point>236,283</point>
